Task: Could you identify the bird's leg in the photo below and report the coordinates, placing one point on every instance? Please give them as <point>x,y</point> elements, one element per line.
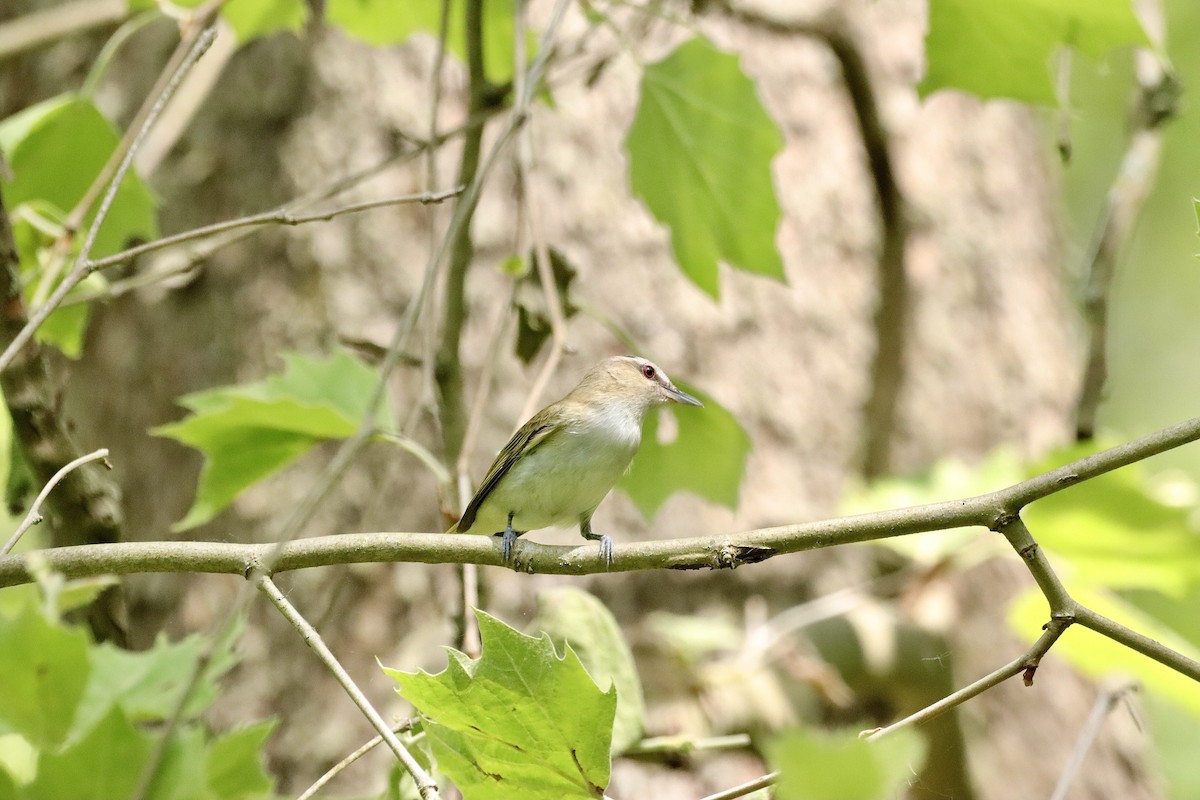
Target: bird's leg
<point>606,544</point>
<point>509,539</point>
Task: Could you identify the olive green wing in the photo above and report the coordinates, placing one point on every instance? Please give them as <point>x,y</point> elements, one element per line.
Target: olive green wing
<point>531,435</point>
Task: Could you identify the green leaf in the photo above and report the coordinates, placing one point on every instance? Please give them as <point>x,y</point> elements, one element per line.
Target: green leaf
<point>248,432</point>
<point>700,150</point>
<point>18,760</point>
<point>945,479</point>
<point>103,765</point>
<point>1006,49</point>
<point>43,671</point>
<point>822,766</point>
<point>147,684</point>
<point>181,775</point>
<point>251,19</point>
<point>235,763</point>
<point>254,18</point>
<point>707,456</point>
<point>1113,532</point>
<point>384,22</point>
<point>55,149</point>
<point>573,617</point>
<point>520,721</point>
<point>1099,656</point>
<point>1175,733</point>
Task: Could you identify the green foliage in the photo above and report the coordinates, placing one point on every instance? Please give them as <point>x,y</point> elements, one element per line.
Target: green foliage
<point>251,19</point>
<point>1115,534</point>
<point>384,22</point>
<point>945,479</point>
<point>533,315</point>
<point>249,431</point>
<point>820,766</point>
<point>45,669</point>
<point>700,150</point>
<point>1006,49</point>
<point>571,616</point>
<point>707,456</point>
<point>520,721</point>
<point>55,149</point>
<point>72,713</point>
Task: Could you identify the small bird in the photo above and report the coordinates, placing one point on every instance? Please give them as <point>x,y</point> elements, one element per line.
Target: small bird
<point>562,462</point>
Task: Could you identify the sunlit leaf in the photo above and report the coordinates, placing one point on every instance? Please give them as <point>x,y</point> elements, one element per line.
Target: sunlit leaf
<point>1115,533</point>
<point>815,765</point>
<point>572,616</point>
<point>249,431</point>
<point>383,22</point>
<point>1101,657</point>
<point>700,150</point>
<point>520,721</point>
<point>1005,49</point>
<point>43,671</point>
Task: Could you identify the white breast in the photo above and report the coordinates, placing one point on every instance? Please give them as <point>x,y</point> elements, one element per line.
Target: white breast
<point>566,477</point>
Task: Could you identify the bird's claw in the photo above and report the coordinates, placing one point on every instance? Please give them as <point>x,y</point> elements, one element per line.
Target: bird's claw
<point>508,539</point>
<point>606,550</point>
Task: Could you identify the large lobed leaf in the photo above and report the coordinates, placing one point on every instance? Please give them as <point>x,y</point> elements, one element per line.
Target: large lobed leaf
<point>247,432</point>
<point>573,617</point>
<point>1005,49</point>
<point>700,150</point>
<point>520,721</point>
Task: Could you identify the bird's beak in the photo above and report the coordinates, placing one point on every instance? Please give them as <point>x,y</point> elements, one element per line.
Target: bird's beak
<point>681,397</point>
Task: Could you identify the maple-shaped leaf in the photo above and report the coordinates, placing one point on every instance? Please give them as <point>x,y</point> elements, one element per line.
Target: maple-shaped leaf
<point>249,431</point>
<point>519,721</point>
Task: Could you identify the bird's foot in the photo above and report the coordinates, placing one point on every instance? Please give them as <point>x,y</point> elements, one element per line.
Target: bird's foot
<point>606,546</point>
<point>508,540</point>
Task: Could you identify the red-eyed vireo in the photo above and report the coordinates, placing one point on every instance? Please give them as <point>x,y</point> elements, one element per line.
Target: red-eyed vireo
<point>562,462</point>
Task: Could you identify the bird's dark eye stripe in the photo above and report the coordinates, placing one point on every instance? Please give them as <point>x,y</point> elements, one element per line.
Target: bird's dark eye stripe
<point>648,371</point>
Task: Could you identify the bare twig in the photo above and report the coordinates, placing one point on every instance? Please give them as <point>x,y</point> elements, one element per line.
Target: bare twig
<point>284,215</point>
<point>339,767</point>
<point>741,790</point>
<point>50,24</point>
<point>425,783</point>
<point>35,511</point>
<point>659,746</point>
<point>1104,705</point>
<point>1023,664</point>
<point>80,270</point>
<point>1155,102</point>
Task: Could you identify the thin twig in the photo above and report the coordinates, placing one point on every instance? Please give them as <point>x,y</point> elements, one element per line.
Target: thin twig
<point>50,24</point>
<point>743,789</point>
<point>35,511</point>
<point>1028,661</point>
<point>425,783</point>
<point>284,215</point>
<point>339,767</point>
<point>80,270</point>
<point>1100,710</point>
<point>1155,102</point>
<point>657,746</point>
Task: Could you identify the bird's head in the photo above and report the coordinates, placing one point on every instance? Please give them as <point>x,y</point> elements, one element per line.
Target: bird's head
<point>631,380</point>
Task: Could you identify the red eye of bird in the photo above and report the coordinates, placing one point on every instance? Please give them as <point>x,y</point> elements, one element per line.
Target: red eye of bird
<point>648,371</point>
